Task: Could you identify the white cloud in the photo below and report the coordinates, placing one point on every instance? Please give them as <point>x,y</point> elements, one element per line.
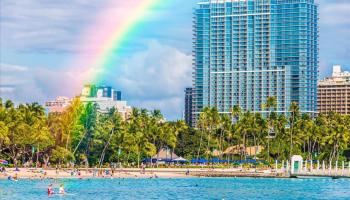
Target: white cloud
<point>156,78</point>
<point>12,68</point>
<point>44,25</point>
<point>23,84</point>
<point>6,89</point>
<point>18,84</point>
<point>153,79</point>
<point>171,107</point>
<point>335,13</point>
<point>334,34</point>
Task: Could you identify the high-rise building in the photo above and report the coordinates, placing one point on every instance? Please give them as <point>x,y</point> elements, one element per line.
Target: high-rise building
<point>188,106</point>
<point>334,92</point>
<point>248,50</point>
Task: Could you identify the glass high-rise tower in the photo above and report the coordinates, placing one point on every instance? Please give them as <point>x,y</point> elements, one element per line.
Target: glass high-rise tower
<point>248,50</point>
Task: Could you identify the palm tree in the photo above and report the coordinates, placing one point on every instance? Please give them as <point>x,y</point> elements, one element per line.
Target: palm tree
<point>294,111</point>
<point>260,130</point>
<point>157,114</point>
<point>113,121</point>
<point>270,105</point>
<point>9,104</point>
<point>281,137</point>
<point>70,120</point>
<point>201,125</point>
<point>236,112</point>
<point>178,127</point>
<point>208,123</point>
<point>214,119</point>
<point>244,129</point>
<point>4,129</point>
<point>225,128</point>
<point>88,120</point>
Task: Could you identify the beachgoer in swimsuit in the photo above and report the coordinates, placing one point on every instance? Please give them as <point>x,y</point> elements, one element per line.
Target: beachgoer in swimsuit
<point>49,190</point>
<point>61,190</point>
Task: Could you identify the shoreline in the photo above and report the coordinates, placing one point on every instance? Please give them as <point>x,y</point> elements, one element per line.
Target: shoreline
<point>91,173</point>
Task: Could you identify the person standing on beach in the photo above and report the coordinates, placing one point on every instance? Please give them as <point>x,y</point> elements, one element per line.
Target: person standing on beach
<point>94,172</point>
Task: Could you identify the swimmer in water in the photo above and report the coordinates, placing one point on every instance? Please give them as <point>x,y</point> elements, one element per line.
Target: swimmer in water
<point>50,190</point>
<point>61,190</point>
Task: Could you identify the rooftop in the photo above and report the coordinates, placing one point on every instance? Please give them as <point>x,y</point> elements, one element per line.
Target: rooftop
<point>338,77</point>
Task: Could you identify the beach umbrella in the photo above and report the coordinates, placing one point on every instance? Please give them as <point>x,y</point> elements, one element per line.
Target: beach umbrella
<point>199,161</point>
<point>4,162</point>
<point>180,160</point>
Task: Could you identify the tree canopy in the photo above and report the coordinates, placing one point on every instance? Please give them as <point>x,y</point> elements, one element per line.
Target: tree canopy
<point>84,136</point>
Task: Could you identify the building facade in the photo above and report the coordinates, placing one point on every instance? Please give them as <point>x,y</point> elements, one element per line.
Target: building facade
<point>101,92</point>
<point>58,105</point>
<point>248,50</point>
<point>334,93</point>
<point>188,106</point>
<point>104,97</point>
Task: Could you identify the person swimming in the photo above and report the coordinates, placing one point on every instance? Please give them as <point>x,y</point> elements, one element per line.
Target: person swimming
<point>50,190</point>
<point>61,189</point>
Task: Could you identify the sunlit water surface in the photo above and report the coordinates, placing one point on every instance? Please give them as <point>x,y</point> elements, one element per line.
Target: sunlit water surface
<point>190,188</point>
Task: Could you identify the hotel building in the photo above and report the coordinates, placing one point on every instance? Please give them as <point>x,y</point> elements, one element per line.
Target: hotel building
<point>103,96</point>
<point>334,92</point>
<point>248,50</point>
<point>58,105</point>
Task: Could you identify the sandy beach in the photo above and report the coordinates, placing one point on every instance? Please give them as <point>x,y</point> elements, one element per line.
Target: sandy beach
<point>38,173</point>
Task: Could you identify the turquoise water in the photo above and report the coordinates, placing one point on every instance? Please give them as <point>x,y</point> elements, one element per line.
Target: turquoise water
<point>191,188</point>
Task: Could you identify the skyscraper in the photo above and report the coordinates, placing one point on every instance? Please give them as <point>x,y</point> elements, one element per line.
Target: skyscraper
<point>248,50</point>
<point>188,106</point>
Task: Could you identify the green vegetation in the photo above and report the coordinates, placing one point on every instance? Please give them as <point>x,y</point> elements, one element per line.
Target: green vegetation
<point>86,137</point>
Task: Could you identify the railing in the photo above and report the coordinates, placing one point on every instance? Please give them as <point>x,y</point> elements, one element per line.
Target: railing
<point>317,169</point>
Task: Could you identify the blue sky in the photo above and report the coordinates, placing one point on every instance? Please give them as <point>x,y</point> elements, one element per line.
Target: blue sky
<point>39,38</point>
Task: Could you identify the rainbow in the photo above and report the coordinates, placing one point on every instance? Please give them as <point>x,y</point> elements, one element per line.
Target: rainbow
<point>104,38</point>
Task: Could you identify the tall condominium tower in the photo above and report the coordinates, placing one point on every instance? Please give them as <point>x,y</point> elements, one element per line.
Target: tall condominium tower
<point>248,50</point>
